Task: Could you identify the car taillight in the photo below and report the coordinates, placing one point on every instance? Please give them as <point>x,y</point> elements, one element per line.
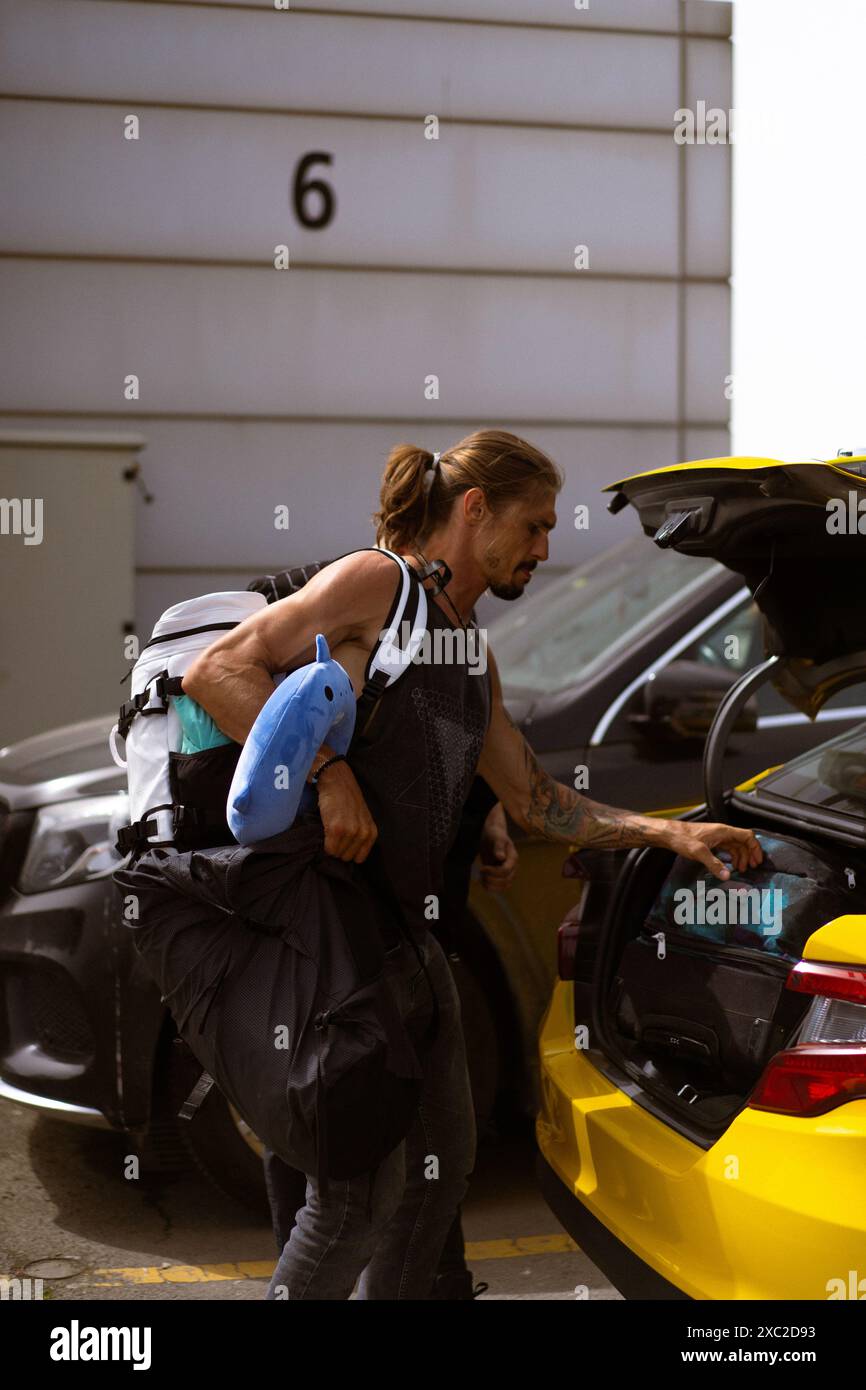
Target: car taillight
<point>827,1067</point>
<point>811,1080</point>
<point>833,981</point>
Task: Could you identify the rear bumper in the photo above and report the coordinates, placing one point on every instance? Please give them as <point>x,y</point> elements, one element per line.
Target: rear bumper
<point>773,1210</point>
<point>622,1267</point>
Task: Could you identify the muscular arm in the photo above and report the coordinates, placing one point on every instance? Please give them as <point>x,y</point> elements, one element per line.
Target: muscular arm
<point>233,678</point>
<point>539,804</point>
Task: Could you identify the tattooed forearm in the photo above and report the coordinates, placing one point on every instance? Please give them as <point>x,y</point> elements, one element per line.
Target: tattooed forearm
<point>559,813</point>
<point>538,803</point>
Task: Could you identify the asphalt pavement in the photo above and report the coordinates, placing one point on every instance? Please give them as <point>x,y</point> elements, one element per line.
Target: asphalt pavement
<point>70,1217</point>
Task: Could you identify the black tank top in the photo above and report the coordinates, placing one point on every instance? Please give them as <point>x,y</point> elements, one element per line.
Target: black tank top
<point>416,763</point>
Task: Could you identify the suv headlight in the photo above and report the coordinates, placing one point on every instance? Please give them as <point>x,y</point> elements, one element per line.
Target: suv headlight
<point>74,843</point>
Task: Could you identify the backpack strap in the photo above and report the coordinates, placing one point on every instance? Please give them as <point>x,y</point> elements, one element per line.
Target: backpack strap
<point>161,686</point>
<point>178,820</point>
<point>286,582</point>
<point>402,635</point>
<point>201,1088</point>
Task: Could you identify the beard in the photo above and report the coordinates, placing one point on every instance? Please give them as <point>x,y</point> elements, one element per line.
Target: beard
<point>506,591</point>
<point>500,583</point>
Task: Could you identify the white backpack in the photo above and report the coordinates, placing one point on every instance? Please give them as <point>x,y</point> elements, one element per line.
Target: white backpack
<point>180,799</point>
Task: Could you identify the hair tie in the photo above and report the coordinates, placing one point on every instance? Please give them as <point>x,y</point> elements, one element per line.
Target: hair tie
<point>430,473</point>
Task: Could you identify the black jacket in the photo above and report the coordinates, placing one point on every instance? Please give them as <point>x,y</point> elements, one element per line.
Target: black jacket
<point>270,959</point>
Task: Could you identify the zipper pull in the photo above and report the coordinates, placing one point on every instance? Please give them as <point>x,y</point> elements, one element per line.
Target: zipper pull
<point>659,936</point>
<point>851,877</point>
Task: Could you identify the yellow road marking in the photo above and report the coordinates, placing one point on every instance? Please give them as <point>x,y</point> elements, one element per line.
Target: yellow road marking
<point>558,1244</point>
<point>183,1274</point>
<point>123,1275</point>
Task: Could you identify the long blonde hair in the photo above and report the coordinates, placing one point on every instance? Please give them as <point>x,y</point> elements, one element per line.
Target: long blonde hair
<point>504,466</point>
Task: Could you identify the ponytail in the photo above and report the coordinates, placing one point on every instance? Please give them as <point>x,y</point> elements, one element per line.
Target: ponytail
<point>403,497</point>
<point>412,503</point>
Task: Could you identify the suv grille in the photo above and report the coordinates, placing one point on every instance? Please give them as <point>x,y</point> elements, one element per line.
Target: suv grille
<point>43,1007</point>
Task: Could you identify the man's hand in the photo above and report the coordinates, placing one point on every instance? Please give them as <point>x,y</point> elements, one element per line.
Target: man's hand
<point>697,841</point>
<point>498,852</point>
<point>350,831</point>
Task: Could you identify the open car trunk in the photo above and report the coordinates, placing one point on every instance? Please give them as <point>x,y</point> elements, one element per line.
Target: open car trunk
<point>792,531</point>
<point>689,997</point>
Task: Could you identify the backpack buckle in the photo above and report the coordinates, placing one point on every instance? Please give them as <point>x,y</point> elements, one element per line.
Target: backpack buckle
<point>160,688</point>
<point>127,838</point>
<point>139,832</point>
<point>131,836</point>
<point>130,710</point>
<point>166,685</point>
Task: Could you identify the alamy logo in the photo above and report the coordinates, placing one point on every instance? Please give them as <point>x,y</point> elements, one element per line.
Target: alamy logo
<point>704,125</point>
<point>76,1343</point>
<point>21,1289</point>
<point>852,1287</point>
<point>717,907</point>
<point>22,516</point>
<point>441,647</point>
<point>846,517</point>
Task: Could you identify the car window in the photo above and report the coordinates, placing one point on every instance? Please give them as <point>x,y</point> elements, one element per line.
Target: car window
<point>736,643</point>
<point>832,776</point>
<point>564,634</point>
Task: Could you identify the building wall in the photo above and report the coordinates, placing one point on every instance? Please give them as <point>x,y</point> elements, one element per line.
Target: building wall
<point>452,258</point>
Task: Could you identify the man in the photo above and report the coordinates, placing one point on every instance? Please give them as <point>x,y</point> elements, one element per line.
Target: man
<point>484,507</point>
<point>483,835</point>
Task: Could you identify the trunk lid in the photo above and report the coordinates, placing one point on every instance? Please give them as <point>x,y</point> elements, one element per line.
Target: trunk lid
<point>793,531</point>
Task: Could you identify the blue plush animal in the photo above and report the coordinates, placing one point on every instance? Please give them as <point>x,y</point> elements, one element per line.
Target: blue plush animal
<point>313,705</point>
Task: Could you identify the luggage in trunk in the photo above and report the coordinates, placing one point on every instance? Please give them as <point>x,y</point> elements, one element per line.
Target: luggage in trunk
<point>699,997</point>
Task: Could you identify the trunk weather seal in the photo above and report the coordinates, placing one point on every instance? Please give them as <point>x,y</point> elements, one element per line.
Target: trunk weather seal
<point>812,821</point>
<point>714,751</point>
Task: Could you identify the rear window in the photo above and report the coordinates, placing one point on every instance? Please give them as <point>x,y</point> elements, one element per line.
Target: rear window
<point>832,776</point>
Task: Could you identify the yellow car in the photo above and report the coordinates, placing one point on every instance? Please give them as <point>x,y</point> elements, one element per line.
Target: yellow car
<point>702,1130</point>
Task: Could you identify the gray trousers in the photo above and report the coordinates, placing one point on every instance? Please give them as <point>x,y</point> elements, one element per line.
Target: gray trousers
<point>392,1233</point>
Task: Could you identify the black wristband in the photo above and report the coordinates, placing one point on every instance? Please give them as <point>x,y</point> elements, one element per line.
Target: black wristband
<point>337,758</point>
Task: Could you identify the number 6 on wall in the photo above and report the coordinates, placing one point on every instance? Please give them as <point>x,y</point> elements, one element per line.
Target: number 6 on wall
<point>302,188</point>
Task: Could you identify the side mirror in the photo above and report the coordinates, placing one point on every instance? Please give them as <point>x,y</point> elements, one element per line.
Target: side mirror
<point>679,703</point>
